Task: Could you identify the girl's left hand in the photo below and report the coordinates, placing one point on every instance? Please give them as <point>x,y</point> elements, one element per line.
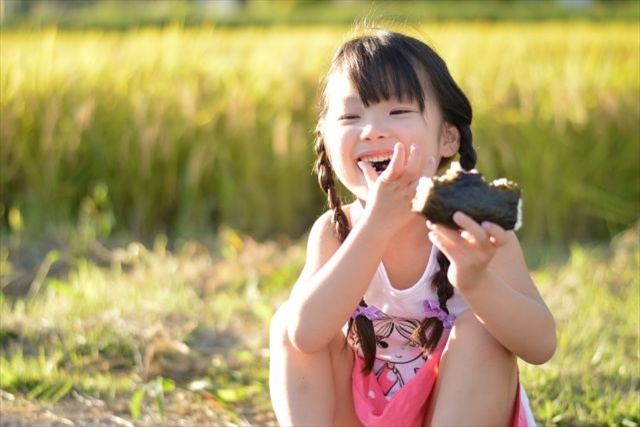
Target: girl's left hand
<point>469,249</point>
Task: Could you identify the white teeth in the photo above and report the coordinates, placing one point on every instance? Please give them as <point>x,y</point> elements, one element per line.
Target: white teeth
<point>375,158</point>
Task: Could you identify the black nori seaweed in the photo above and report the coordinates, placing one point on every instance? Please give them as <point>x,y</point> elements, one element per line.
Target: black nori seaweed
<point>468,192</point>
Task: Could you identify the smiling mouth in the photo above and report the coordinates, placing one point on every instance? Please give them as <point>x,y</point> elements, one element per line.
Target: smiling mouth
<point>379,163</point>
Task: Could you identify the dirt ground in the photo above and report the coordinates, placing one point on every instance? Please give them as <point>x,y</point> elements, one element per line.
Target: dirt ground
<point>182,408</point>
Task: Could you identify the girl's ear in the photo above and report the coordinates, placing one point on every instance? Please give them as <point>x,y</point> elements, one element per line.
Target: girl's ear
<point>449,140</point>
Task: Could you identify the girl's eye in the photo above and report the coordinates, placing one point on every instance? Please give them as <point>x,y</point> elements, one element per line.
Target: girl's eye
<point>397,112</point>
<point>348,117</point>
<point>382,344</point>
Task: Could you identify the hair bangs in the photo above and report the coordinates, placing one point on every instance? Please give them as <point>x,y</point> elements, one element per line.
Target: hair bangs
<point>381,71</point>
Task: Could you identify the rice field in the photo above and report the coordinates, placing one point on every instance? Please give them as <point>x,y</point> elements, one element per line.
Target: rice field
<point>181,130</point>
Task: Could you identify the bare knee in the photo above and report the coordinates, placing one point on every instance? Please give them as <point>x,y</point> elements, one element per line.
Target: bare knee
<point>477,372</point>
<point>471,350</point>
<point>309,388</point>
<point>478,342</point>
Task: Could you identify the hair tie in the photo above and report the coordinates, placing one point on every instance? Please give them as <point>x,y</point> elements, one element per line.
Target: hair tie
<point>370,312</point>
<point>432,309</point>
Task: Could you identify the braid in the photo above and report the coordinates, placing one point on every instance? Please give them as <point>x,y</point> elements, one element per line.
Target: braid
<point>326,179</point>
<point>428,333</point>
<point>444,288</point>
<point>468,156</point>
<point>362,331</point>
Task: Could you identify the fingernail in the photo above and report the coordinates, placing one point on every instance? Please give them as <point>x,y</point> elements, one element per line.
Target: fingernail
<point>457,216</point>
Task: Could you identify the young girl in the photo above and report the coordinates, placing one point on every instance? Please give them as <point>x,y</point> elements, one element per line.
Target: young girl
<point>392,113</point>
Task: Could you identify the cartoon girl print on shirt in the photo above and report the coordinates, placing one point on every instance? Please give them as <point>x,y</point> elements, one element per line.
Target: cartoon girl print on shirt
<point>398,357</point>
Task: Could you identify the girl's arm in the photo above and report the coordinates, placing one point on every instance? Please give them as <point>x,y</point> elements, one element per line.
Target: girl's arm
<point>336,275</point>
<point>332,282</point>
<point>488,268</point>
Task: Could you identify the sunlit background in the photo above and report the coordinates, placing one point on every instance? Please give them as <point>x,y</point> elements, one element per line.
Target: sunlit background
<point>156,188</point>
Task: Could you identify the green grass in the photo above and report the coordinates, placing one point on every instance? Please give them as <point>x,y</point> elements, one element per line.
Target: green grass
<point>594,377</point>
<point>120,318</point>
<point>147,323</point>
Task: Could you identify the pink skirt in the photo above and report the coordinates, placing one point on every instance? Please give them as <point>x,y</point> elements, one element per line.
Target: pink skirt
<point>409,406</point>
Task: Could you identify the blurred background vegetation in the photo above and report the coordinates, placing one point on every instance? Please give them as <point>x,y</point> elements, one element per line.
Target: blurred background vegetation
<point>127,14</point>
<point>158,154</point>
<point>185,120</point>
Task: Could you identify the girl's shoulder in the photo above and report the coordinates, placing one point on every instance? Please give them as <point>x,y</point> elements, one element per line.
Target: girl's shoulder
<point>323,232</point>
<point>325,223</point>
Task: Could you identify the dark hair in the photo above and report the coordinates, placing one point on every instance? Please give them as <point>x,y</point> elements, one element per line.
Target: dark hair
<point>385,65</point>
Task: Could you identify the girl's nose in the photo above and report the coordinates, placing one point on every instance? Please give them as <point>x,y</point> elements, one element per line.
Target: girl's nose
<point>374,131</point>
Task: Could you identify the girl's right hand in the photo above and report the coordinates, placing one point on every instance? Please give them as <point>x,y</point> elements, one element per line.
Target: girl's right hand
<point>390,194</point>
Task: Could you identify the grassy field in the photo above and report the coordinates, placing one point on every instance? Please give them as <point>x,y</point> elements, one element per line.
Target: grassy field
<point>149,180</point>
<point>169,130</point>
<point>151,335</point>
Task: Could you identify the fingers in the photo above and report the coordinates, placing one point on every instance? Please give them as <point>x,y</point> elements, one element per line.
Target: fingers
<point>446,239</point>
<point>397,164</point>
<point>470,250</point>
<point>414,162</point>
<point>370,174</point>
<point>408,166</point>
<point>472,232</point>
<point>497,234</point>
<point>445,235</point>
<point>402,164</point>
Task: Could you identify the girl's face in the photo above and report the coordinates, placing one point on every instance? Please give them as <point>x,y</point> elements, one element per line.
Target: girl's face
<point>398,354</point>
<point>393,342</point>
<point>354,132</point>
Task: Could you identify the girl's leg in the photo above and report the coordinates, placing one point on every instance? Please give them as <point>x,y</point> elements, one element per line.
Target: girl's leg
<point>477,379</point>
<point>309,389</point>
